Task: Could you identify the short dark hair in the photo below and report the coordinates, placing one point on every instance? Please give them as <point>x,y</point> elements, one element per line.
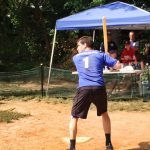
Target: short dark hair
<point>86,39</point>
<point>112,52</point>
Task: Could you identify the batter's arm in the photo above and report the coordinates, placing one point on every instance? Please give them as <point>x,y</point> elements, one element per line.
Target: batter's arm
<point>117,66</point>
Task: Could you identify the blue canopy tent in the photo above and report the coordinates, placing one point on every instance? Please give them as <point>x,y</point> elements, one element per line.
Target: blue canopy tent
<point>119,15</point>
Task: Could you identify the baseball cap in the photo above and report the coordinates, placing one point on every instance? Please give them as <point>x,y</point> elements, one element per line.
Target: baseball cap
<point>112,51</point>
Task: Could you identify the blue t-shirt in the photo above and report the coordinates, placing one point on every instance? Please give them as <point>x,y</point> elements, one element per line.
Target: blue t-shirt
<point>90,64</point>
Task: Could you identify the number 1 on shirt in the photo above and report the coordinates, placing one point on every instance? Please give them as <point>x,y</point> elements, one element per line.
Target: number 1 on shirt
<point>86,62</point>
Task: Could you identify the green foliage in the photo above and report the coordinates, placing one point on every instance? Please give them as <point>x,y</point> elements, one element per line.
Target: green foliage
<point>27,27</point>
<point>74,6</point>
<point>97,3</point>
<point>144,75</point>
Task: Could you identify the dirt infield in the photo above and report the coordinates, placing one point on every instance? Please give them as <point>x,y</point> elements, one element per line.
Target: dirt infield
<point>48,124</point>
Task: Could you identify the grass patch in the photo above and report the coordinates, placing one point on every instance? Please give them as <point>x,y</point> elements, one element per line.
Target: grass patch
<point>9,115</point>
<point>140,105</point>
<point>136,105</point>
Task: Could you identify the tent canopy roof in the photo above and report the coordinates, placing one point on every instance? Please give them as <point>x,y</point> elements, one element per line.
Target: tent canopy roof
<point>119,15</point>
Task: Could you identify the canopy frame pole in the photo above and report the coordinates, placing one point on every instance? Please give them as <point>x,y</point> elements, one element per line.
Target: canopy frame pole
<point>51,61</point>
<point>93,35</point>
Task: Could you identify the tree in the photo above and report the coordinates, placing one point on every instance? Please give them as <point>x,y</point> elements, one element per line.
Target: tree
<point>27,28</point>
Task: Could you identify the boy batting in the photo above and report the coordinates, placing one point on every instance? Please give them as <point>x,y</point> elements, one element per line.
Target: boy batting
<point>91,89</point>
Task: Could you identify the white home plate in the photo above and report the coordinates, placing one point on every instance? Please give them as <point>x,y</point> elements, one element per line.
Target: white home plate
<point>78,139</point>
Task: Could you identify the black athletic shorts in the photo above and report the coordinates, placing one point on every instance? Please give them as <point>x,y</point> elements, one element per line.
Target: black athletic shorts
<point>87,95</point>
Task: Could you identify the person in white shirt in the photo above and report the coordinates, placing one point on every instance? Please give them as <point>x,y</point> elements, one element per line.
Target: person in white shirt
<point>133,43</point>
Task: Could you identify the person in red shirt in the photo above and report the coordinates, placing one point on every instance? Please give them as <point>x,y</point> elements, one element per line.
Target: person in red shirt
<point>127,54</point>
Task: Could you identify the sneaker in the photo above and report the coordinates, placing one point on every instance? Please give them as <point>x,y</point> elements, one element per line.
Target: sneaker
<point>109,147</point>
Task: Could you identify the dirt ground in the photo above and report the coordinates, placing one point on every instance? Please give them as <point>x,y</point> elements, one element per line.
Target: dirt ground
<point>48,124</point>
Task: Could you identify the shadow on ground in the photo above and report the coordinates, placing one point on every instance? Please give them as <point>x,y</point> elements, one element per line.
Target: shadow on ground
<point>142,146</point>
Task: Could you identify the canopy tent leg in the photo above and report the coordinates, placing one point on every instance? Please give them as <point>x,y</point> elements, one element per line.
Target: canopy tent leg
<point>51,61</point>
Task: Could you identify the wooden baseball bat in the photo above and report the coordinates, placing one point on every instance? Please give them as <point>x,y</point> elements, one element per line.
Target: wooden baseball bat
<point>105,34</point>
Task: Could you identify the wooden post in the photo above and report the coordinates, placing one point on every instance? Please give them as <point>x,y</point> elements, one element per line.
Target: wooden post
<point>42,79</point>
